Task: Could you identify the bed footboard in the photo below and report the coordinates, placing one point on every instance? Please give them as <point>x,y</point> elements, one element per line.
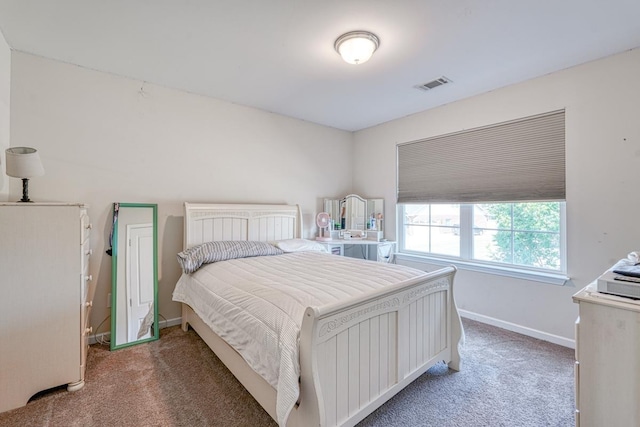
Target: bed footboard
<point>356,356</point>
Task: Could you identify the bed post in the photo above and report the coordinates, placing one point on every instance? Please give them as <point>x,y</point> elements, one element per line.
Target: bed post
<point>457,332</point>
<point>308,412</point>
<point>299,224</point>
<point>185,318</point>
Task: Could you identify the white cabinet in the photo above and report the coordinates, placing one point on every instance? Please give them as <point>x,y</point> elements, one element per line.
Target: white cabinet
<point>607,371</point>
<point>45,299</point>
<point>362,248</point>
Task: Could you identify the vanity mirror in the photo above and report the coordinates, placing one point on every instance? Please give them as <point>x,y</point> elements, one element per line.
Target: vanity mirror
<point>355,213</point>
<point>134,293</point>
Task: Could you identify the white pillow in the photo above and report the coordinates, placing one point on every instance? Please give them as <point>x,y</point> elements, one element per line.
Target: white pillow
<point>299,245</point>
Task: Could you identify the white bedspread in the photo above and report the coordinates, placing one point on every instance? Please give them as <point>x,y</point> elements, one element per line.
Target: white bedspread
<point>257,304</point>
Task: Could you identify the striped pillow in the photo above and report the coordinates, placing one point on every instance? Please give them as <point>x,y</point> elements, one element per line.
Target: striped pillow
<point>191,259</point>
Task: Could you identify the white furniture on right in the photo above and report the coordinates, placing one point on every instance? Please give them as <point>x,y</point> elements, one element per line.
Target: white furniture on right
<point>46,298</point>
<point>607,370</point>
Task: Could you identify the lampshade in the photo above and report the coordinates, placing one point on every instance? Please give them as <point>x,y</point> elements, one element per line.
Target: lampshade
<point>23,162</point>
<point>357,47</point>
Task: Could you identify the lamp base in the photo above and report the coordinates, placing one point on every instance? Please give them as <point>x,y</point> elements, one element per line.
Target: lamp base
<point>25,191</point>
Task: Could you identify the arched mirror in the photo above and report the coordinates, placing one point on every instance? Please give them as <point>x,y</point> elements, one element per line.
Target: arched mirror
<point>134,293</point>
<point>355,213</point>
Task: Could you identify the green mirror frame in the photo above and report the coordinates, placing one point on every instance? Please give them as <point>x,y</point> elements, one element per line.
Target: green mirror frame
<point>119,263</point>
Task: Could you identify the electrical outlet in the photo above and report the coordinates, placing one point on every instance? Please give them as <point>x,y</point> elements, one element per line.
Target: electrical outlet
<point>108,300</point>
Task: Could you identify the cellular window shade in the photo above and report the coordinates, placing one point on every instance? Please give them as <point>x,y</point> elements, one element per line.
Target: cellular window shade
<point>513,161</point>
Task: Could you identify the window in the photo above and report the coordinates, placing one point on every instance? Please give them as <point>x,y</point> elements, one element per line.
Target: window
<point>474,196</point>
<point>527,235</point>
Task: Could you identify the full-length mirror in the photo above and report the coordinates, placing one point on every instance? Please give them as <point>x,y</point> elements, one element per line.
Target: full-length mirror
<point>355,213</point>
<point>134,293</point>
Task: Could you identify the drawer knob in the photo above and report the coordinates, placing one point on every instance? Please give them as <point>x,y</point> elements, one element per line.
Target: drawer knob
<point>89,304</point>
<point>89,226</point>
<point>88,278</point>
<point>90,251</point>
<point>88,330</point>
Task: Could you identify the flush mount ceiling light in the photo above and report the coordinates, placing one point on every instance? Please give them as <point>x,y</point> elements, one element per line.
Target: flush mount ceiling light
<point>356,47</point>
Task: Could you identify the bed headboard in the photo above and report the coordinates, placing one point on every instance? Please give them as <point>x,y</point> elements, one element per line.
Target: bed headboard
<point>206,222</point>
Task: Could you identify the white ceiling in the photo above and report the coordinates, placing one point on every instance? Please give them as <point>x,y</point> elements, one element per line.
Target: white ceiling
<point>277,55</point>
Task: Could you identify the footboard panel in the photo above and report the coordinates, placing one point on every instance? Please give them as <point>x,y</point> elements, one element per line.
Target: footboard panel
<point>368,351</point>
<point>357,364</point>
<point>424,322</point>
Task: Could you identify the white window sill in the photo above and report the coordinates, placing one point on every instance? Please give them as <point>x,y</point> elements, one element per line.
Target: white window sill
<point>536,276</point>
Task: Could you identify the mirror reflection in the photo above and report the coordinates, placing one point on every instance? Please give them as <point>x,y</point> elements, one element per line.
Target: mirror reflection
<point>134,317</point>
<point>354,212</point>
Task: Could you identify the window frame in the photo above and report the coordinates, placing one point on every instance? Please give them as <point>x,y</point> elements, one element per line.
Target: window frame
<point>465,260</point>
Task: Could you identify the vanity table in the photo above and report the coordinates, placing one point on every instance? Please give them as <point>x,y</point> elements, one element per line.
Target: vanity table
<point>370,249</point>
<point>351,216</point>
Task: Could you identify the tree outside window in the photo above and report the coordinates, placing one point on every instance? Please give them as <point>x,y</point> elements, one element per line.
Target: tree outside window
<point>525,233</point>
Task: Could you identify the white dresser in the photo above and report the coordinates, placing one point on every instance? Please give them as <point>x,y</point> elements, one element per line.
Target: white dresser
<point>45,298</point>
<point>607,371</point>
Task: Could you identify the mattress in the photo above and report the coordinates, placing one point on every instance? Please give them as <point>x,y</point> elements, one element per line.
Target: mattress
<point>257,304</point>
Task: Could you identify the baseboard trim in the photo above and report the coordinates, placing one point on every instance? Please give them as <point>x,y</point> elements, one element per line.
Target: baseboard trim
<point>170,322</point>
<point>106,336</point>
<point>555,339</point>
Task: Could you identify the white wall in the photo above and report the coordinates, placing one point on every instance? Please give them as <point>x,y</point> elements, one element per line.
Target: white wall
<point>104,138</point>
<point>602,102</point>
<point>5,86</point>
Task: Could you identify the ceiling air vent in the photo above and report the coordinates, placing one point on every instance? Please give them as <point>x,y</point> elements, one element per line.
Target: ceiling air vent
<point>434,83</point>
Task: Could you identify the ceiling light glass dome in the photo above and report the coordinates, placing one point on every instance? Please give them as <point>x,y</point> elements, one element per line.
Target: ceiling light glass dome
<point>356,47</point>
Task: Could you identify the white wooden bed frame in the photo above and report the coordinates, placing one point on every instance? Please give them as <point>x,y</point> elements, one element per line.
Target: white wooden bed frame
<point>355,355</point>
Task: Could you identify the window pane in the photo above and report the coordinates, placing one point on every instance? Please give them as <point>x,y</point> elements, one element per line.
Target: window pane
<point>540,250</point>
<point>445,229</point>
<point>493,245</point>
<point>492,216</point>
<point>536,216</point>
<point>416,214</point>
<point>444,241</point>
<point>521,233</point>
<point>485,247</point>
<point>445,215</point>
<point>482,217</point>
<point>416,238</point>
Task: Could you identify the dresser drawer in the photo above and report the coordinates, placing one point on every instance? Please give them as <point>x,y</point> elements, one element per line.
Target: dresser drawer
<point>85,333</point>
<point>85,315</point>
<point>84,349</point>
<point>577,336</point>
<point>85,227</point>
<point>86,253</point>
<point>85,256</point>
<point>576,376</point>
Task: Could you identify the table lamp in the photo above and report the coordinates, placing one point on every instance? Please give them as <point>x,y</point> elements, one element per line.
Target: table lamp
<point>23,163</point>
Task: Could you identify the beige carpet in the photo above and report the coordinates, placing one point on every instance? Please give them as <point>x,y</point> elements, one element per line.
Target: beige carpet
<point>507,380</point>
